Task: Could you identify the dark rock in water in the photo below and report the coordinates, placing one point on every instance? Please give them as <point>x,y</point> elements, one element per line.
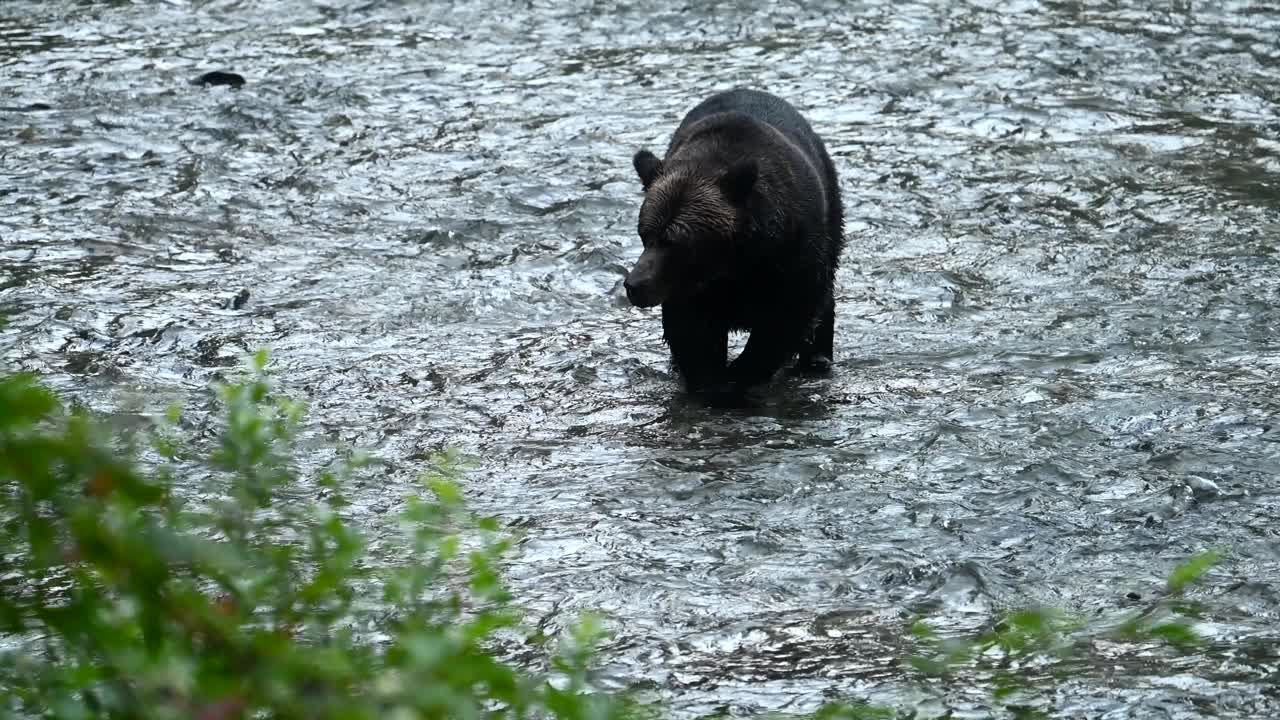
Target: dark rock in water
<point>218,77</point>
<point>239,300</point>
<point>31,107</point>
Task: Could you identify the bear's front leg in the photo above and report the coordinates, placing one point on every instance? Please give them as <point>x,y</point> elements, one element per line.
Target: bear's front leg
<point>699,346</point>
<point>768,348</point>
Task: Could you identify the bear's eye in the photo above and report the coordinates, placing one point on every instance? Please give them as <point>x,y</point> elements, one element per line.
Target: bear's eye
<point>653,239</point>
<point>674,234</point>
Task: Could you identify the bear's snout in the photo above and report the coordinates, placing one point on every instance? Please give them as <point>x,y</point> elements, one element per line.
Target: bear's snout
<point>640,291</point>
<point>643,283</point>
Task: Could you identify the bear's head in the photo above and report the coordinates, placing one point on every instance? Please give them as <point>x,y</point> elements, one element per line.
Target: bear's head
<point>687,223</point>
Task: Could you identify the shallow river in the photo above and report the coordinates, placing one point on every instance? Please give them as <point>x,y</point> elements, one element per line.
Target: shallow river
<point>1057,356</point>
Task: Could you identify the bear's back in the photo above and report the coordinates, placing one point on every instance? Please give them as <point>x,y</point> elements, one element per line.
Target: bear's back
<point>765,108</point>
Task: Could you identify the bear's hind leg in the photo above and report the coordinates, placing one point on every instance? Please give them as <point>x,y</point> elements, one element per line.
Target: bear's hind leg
<point>818,353</point>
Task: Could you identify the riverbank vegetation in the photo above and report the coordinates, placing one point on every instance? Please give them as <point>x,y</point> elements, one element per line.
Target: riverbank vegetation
<point>246,590</point>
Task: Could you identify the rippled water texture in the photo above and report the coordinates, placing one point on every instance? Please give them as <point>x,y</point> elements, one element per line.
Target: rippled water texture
<point>1056,332</point>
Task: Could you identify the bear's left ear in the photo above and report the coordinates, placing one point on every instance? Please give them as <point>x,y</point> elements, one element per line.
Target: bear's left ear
<point>647,166</point>
<point>736,183</point>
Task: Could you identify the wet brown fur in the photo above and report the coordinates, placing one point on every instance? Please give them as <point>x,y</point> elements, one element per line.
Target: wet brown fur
<point>743,227</point>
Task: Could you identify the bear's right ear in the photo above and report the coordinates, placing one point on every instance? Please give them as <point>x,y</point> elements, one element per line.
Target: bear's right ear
<point>647,166</point>
<point>738,181</point>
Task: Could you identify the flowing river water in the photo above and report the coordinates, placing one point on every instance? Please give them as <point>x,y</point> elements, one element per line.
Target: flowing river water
<point>1057,354</point>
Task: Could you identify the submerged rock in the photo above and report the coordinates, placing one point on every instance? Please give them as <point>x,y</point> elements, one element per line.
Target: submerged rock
<point>219,77</point>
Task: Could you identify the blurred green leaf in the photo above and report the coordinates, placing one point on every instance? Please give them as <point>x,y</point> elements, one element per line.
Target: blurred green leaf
<point>1191,570</point>
<point>854,712</point>
<point>1180,635</point>
<point>922,631</point>
<point>927,666</point>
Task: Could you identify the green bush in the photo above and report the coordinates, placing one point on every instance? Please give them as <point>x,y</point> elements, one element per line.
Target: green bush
<point>249,594</point>
<point>133,603</point>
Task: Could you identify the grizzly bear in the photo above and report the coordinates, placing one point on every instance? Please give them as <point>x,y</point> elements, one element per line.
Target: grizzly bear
<point>742,228</point>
